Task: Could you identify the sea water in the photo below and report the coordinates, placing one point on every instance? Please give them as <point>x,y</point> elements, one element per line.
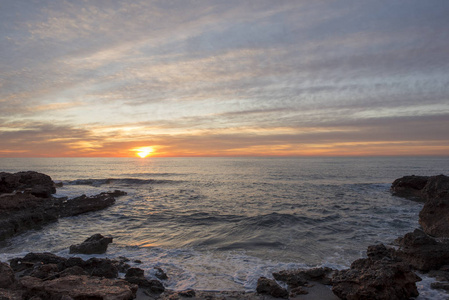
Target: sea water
<point>221,223</point>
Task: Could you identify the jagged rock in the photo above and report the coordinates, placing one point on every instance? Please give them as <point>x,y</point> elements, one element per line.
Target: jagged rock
<point>79,287</point>
<point>6,276</point>
<point>376,278</point>
<point>84,204</point>
<point>37,184</point>
<point>137,276</point>
<point>421,251</point>
<point>270,287</point>
<point>96,244</point>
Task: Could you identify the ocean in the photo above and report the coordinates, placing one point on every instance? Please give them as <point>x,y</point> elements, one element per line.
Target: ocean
<point>221,223</point>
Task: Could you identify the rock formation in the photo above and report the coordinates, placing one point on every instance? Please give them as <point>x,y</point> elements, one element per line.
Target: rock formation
<point>377,277</point>
<point>96,244</point>
<point>434,190</point>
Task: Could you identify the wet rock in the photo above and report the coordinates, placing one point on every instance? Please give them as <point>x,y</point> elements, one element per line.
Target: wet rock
<point>6,276</point>
<point>34,259</point>
<point>101,267</point>
<point>137,276</point>
<point>160,273</point>
<point>96,244</point>
<point>376,277</point>
<point>270,287</point>
<point>78,287</point>
<point>44,271</point>
<point>116,193</point>
<point>300,277</point>
<point>434,216</point>
<point>440,285</point>
<point>37,184</point>
<point>84,204</point>
<point>421,251</point>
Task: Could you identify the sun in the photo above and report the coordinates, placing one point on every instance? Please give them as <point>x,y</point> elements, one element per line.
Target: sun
<point>143,152</point>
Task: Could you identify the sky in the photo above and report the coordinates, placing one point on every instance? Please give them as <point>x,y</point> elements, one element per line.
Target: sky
<point>105,78</point>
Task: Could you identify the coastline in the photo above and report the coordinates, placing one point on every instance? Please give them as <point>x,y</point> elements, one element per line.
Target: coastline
<point>84,204</point>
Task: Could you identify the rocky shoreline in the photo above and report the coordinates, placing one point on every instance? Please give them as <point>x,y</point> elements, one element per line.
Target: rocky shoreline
<point>388,272</point>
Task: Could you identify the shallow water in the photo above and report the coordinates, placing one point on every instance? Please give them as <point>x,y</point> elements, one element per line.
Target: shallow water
<point>220,223</point>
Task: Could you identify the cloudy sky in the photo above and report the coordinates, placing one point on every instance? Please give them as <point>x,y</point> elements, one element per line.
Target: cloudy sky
<point>224,78</point>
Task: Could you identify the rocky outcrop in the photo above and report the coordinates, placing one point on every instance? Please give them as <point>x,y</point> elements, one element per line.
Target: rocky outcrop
<point>78,287</point>
<point>434,190</point>
<point>26,202</point>
<point>96,244</point>
<point>377,277</point>
<point>49,276</point>
<point>37,184</point>
<point>422,251</point>
<point>84,204</point>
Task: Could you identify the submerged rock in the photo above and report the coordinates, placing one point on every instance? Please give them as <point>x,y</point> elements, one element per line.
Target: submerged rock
<point>137,276</point>
<point>96,244</point>
<point>376,277</point>
<point>84,204</point>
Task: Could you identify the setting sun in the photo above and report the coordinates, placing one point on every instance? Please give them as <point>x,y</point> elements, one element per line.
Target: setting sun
<point>144,151</point>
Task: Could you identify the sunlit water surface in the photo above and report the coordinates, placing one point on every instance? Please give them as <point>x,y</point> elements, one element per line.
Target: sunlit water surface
<point>221,223</point>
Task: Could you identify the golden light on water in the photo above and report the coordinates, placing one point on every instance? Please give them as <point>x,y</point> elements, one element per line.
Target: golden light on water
<point>143,152</point>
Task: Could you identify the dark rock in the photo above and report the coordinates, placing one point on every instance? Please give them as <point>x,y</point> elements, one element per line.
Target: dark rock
<point>270,287</point>
<point>421,251</point>
<point>38,184</point>
<point>409,186</point>
<point>78,287</point>
<point>84,204</point>
<point>6,276</point>
<point>31,259</point>
<point>101,267</point>
<point>434,216</point>
<point>300,277</point>
<point>116,193</point>
<point>11,294</point>
<point>96,244</point>
<point>160,273</point>
<point>297,291</point>
<point>376,277</point>
<point>187,293</point>
<point>137,276</point>
<point>44,271</point>
<point>75,270</point>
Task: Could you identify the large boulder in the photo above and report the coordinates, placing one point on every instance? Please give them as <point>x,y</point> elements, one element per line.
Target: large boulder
<point>376,278</point>
<point>78,287</point>
<point>96,244</point>
<point>422,251</point>
<point>37,184</point>
<point>409,186</point>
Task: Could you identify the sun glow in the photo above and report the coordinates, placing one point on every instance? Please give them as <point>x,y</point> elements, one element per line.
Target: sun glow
<point>143,152</point>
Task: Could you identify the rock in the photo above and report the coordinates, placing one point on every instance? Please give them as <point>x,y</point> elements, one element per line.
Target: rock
<point>409,186</point>
<point>137,276</point>
<point>270,287</point>
<point>6,276</point>
<point>84,204</point>
<point>96,244</point>
<point>421,251</point>
<point>78,287</point>
<point>434,216</point>
<point>45,271</point>
<point>160,273</point>
<point>101,267</point>
<point>300,277</point>
<point>31,259</point>
<point>38,184</point>
<point>11,294</point>
<point>374,278</point>
<point>20,212</point>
